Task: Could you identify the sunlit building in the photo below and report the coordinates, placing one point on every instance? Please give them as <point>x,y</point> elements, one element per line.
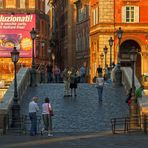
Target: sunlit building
<point>106,16</point>
<point>17,18</point>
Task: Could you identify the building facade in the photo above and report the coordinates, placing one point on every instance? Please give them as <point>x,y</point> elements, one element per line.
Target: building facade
<point>106,16</point>
<point>82,34</point>
<point>17,18</point>
<point>63,34</point>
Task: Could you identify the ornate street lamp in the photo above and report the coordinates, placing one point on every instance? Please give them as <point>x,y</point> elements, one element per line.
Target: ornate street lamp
<point>33,71</point>
<point>15,106</point>
<point>119,33</point>
<point>49,52</point>
<point>105,52</point>
<point>43,44</point>
<point>118,72</point>
<point>111,41</point>
<point>133,58</point>
<point>102,57</point>
<point>53,59</point>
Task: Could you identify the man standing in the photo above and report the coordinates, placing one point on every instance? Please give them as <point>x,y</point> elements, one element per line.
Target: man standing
<point>66,80</point>
<point>33,109</point>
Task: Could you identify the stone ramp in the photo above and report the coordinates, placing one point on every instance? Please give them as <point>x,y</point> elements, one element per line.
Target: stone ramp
<point>82,113</point>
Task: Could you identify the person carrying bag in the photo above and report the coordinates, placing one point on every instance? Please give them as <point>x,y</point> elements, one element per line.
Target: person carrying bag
<point>47,114</point>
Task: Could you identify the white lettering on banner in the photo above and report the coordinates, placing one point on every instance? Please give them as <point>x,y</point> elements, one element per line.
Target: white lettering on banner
<point>12,18</point>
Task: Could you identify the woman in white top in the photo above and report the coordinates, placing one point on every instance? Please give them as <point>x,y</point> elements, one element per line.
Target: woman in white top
<point>46,114</point>
<point>99,86</point>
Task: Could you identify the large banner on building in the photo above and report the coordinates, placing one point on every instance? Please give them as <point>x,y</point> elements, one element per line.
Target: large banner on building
<point>15,31</point>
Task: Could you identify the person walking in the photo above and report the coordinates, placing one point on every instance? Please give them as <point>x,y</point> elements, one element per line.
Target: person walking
<point>49,72</point>
<point>83,74</point>
<point>33,109</point>
<point>57,73</point>
<point>99,86</point>
<point>66,80</point>
<point>42,72</point>
<point>47,116</point>
<point>73,82</point>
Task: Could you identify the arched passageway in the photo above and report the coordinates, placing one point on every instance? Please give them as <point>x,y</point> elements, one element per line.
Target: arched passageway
<point>124,53</point>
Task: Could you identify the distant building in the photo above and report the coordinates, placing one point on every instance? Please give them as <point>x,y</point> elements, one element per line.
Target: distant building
<point>106,16</point>
<point>63,32</point>
<point>82,34</point>
<point>17,18</point>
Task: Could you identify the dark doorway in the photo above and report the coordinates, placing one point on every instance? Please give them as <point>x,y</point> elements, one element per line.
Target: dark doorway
<point>125,49</point>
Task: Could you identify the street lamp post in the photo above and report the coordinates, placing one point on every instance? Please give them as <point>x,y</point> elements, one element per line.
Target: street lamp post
<point>133,58</point>
<point>102,57</point>
<point>105,52</point>
<point>110,44</point>
<point>53,59</point>
<point>43,44</point>
<point>119,33</point>
<point>118,72</point>
<point>15,106</point>
<point>33,71</point>
<point>49,52</point>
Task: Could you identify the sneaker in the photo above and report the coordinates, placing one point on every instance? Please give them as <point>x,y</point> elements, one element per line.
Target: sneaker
<point>50,135</point>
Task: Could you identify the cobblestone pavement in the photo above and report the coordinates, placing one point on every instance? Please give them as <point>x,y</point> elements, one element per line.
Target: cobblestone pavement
<point>82,113</point>
<point>79,122</point>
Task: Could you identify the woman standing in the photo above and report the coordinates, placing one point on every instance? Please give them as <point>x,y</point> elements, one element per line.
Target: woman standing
<point>99,86</point>
<point>46,114</point>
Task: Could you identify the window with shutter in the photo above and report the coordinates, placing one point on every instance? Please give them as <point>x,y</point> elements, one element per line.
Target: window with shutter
<point>10,3</point>
<point>22,3</point>
<point>130,14</point>
<point>1,3</point>
<point>136,14</point>
<point>123,14</point>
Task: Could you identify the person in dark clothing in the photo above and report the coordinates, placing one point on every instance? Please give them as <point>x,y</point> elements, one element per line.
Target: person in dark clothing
<point>129,96</point>
<point>99,70</point>
<point>49,72</point>
<point>73,81</point>
<point>42,72</point>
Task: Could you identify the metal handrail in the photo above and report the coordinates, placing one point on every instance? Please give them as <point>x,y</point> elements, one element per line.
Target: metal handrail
<point>129,124</point>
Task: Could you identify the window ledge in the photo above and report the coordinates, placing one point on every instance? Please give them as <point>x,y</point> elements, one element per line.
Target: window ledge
<point>131,0</point>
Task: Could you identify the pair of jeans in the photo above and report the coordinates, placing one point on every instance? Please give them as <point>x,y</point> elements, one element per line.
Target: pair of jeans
<point>100,91</point>
<point>33,119</point>
<point>49,76</point>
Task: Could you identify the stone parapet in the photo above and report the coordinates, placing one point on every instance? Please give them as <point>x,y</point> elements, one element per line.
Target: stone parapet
<point>23,81</point>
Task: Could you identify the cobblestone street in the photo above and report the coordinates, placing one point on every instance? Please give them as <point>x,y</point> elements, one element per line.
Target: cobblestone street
<point>82,113</point>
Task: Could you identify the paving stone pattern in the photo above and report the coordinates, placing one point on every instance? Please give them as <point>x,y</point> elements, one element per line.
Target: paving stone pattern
<point>82,113</point>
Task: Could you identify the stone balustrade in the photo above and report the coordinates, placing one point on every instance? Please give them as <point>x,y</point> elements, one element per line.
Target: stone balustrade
<point>23,81</point>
